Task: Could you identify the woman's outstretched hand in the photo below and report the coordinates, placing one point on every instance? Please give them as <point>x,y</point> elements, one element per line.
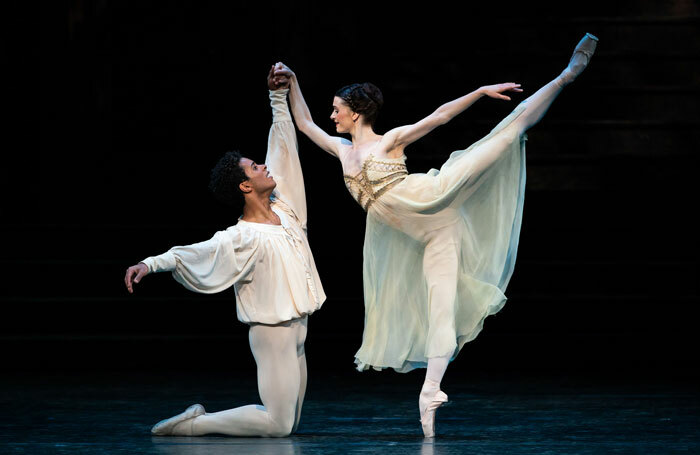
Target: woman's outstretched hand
<point>283,70</point>
<point>495,91</point>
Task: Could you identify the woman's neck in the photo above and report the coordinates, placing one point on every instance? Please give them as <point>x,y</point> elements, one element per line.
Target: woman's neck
<point>362,134</point>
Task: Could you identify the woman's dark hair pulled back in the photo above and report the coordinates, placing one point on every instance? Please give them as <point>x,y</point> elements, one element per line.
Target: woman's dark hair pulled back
<point>365,99</point>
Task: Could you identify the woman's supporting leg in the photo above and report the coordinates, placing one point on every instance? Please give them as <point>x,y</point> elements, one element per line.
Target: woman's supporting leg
<point>433,376</point>
<point>275,349</point>
<point>436,369</point>
<point>440,265</point>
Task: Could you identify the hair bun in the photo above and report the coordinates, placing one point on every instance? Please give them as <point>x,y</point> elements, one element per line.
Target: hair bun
<point>373,93</point>
<point>365,99</point>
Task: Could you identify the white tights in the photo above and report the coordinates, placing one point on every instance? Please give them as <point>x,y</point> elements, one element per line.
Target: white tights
<point>440,260</point>
<point>281,362</point>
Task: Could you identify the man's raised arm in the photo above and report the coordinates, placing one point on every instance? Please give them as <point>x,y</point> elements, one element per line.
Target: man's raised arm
<point>282,154</point>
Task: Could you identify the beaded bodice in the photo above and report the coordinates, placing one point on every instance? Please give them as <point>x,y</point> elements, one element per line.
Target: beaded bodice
<point>375,178</point>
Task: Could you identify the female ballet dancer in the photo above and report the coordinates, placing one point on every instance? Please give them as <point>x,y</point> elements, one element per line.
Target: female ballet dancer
<point>439,247</point>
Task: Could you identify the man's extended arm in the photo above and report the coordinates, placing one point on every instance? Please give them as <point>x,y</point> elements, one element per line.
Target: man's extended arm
<point>283,156</point>
<point>207,267</point>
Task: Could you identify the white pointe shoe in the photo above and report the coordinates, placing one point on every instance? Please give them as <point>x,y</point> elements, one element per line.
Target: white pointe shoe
<point>579,60</point>
<point>429,405</point>
<point>166,427</point>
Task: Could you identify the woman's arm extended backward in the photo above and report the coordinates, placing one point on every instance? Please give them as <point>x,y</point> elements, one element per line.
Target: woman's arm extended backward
<point>302,116</point>
<point>400,137</point>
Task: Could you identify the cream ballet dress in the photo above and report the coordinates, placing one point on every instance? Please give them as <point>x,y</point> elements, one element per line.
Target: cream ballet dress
<point>439,247</point>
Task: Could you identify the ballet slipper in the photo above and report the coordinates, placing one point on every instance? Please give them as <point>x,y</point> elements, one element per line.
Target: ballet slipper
<point>579,60</point>
<point>431,398</point>
<point>167,427</point>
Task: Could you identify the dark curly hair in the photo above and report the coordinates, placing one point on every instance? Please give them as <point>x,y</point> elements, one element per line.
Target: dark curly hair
<point>365,99</point>
<point>226,177</point>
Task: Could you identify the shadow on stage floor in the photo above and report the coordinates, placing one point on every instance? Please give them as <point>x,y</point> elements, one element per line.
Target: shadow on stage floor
<point>108,413</point>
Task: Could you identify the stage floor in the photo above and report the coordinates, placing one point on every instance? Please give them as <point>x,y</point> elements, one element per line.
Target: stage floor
<point>353,413</point>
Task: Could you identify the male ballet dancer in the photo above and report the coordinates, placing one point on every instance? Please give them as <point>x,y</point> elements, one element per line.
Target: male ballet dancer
<point>266,257</point>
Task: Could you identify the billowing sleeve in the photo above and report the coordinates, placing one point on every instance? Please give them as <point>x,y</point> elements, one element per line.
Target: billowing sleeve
<point>283,157</point>
<point>210,266</point>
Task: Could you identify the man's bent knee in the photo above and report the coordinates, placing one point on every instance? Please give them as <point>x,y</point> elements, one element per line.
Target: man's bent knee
<point>281,427</point>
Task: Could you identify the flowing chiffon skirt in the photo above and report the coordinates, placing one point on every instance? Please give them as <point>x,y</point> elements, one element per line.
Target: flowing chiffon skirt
<point>470,212</point>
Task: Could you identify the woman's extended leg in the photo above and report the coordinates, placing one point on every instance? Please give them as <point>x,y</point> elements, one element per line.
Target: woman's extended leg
<point>538,103</point>
<point>481,157</point>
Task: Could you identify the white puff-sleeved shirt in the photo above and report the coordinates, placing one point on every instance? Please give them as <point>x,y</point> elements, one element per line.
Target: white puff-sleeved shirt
<point>270,267</point>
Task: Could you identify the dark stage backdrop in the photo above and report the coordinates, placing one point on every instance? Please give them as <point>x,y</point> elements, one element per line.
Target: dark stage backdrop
<point>139,99</point>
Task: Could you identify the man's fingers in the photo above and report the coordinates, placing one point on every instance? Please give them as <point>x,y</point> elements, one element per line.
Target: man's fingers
<point>127,280</point>
<point>134,275</point>
<point>270,77</point>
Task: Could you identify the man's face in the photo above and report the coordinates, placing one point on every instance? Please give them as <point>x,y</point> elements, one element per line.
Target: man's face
<point>259,178</point>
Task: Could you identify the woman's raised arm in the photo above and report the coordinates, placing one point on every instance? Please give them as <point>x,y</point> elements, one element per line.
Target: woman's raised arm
<point>302,116</point>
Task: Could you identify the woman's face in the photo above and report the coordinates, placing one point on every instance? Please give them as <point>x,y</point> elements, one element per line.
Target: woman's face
<point>342,115</point>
